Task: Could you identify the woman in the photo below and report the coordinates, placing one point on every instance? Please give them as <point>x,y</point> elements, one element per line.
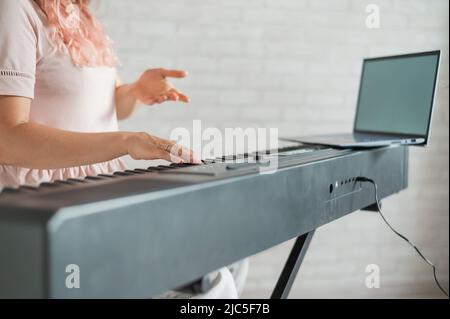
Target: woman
<point>60,98</point>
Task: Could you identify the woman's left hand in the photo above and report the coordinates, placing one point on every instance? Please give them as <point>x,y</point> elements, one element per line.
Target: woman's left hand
<point>153,87</point>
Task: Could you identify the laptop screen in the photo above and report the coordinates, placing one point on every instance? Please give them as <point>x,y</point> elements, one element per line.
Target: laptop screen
<point>396,94</point>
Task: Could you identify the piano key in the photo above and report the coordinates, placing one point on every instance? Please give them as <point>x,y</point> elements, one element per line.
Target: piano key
<point>179,172</point>
<point>132,171</point>
<point>77,180</point>
<point>186,165</point>
<point>63,182</point>
<point>143,170</point>
<point>9,190</point>
<point>121,173</point>
<point>94,178</point>
<point>241,165</point>
<point>46,184</point>
<point>107,175</point>
<point>28,188</point>
<point>156,168</point>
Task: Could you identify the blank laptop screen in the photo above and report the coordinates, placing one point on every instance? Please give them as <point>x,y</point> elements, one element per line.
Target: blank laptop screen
<point>396,94</point>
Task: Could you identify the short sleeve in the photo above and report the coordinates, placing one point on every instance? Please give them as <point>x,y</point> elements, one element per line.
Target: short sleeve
<point>18,47</point>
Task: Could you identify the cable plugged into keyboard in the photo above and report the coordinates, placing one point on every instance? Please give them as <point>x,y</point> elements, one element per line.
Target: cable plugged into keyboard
<point>377,202</point>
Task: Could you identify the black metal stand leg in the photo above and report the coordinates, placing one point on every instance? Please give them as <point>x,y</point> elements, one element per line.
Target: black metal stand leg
<point>292,266</point>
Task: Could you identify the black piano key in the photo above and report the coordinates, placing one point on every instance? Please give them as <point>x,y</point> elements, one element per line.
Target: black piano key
<point>134,171</point>
<point>156,168</point>
<point>107,175</point>
<point>143,170</point>
<point>77,180</point>
<point>94,178</point>
<point>179,165</point>
<point>260,155</point>
<point>9,190</point>
<point>160,168</point>
<point>45,184</point>
<point>209,161</point>
<point>63,182</point>
<point>235,166</point>
<point>131,172</point>
<point>28,188</point>
<point>120,173</point>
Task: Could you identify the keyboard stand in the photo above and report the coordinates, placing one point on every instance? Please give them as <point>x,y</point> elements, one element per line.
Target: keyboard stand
<point>290,270</point>
<point>295,259</point>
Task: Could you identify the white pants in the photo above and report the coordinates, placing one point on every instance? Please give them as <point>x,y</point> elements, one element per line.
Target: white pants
<point>228,283</point>
<point>224,287</point>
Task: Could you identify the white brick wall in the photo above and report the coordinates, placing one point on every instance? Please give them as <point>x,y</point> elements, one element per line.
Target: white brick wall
<point>294,64</point>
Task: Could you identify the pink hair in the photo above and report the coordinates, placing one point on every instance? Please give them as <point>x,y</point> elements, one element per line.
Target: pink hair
<point>78,32</point>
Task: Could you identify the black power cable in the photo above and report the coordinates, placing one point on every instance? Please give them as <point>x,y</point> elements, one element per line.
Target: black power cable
<point>368,180</point>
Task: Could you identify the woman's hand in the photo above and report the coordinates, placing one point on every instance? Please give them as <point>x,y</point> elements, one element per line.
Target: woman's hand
<point>153,87</point>
<point>43,147</point>
<point>143,146</point>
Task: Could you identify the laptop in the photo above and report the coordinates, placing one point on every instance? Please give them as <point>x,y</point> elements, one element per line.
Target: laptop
<point>395,103</point>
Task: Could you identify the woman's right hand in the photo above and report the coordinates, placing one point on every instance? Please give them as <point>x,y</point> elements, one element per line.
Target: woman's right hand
<point>143,146</point>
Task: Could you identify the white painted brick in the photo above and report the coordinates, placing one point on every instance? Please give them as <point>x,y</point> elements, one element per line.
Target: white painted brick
<point>153,29</point>
<point>411,6</point>
<point>238,97</point>
<point>197,63</point>
<point>234,31</point>
<point>239,64</point>
<point>219,47</point>
<point>360,6</point>
<point>281,98</point>
<point>287,4</point>
<point>329,5</point>
<point>326,100</point>
<point>284,66</point>
<point>211,80</point>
